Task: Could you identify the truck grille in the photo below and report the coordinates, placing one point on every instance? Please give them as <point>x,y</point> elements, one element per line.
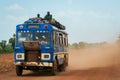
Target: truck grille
<point>33,56</point>
<point>32,51</point>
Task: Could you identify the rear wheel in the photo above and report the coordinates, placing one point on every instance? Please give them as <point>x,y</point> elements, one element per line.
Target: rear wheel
<point>62,67</point>
<point>19,70</point>
<point>54,68</point>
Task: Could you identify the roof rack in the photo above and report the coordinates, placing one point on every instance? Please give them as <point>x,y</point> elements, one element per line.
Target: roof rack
<point>38,19</point>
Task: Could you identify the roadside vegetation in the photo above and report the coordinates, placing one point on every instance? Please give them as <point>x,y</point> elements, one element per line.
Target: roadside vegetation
<point>6,55</point>
<point>5,47</point>
<point>83,45</point>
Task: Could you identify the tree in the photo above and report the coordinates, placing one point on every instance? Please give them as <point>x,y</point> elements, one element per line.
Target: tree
<point>3,44</point>
<point>0,43</point>
<point>8,48</point>
<point>82,44</point>
<point>4,47</point>
<point>1,49</point>
<point>12,42</point>
<point>75,45</point>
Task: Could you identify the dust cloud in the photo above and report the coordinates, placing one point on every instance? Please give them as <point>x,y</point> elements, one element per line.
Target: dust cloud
<point>95,57</point>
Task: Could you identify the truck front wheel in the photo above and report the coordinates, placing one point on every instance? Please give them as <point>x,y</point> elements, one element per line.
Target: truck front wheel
<point>54,68</point>
<point>19,70</point>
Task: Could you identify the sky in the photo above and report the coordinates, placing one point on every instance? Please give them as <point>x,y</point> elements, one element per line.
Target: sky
<point>85,20</point>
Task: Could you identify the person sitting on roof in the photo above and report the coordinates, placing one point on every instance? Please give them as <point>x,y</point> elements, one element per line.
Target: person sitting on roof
<point>48,16</point>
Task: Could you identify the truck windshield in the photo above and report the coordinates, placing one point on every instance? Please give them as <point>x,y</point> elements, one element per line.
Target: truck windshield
<point>42,36</point>
<point>24,36</point>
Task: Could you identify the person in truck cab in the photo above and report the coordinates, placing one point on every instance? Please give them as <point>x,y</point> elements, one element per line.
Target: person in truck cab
<point>41,40</point>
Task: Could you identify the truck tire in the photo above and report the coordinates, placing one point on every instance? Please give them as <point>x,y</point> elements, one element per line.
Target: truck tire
<point>54,68</point>
<point>62,67</point>
<point>19,70</point>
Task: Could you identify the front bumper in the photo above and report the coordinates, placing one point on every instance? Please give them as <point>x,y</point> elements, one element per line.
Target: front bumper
<point>42,64</point>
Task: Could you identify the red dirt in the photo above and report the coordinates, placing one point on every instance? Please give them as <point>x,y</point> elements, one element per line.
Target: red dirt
<point>6,62</point>
<point>97,63</point>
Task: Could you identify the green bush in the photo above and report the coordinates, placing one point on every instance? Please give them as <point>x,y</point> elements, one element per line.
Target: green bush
<point>1,49</point>
<point>8,49</point>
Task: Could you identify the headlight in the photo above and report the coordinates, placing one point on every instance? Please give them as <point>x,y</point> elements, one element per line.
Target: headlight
<point>45,56</point>
<point>20,56</point>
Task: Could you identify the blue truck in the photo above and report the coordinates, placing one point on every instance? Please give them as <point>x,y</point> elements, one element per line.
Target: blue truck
<point>41,45</point>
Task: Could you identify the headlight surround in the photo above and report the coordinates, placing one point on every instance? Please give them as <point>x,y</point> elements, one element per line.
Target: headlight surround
<point>45,56</point>
<point>20,56</point>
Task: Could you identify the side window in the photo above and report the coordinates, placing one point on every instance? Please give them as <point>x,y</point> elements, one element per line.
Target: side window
<point>67,42</point>
<point>64,41</point>
<point>56,40</point>
<point>60,39</point>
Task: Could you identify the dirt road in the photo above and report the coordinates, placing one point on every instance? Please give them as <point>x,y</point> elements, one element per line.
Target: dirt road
<point>98,63</point>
